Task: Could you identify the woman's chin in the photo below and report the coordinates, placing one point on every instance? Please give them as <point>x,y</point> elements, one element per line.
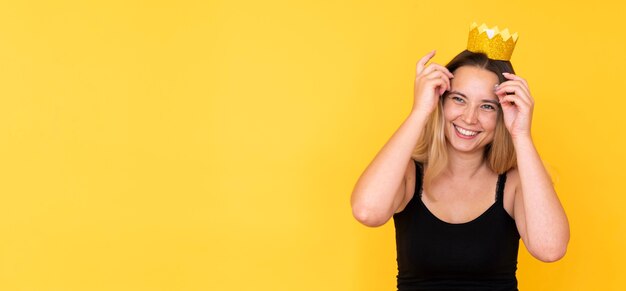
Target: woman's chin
<point>466,146</point>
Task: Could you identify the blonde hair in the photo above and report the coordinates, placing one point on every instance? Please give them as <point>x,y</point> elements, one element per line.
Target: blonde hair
<point>431,148</point>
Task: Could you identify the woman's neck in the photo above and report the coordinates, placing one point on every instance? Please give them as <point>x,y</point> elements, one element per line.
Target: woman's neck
<point>465,165</point>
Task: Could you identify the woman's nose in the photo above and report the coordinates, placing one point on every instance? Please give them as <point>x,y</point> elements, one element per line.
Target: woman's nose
<point>470,115</point>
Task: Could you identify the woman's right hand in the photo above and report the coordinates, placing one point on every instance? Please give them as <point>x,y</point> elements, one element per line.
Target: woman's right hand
<point>430,83</point>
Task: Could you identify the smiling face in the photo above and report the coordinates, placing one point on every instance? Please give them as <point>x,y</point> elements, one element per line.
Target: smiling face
<point>470,109</point>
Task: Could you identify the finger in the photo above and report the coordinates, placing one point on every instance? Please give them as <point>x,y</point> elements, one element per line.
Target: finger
<point>442,75</point>
<point>422,62</point>
<point>514,90</point>
<point>434,66</point>
<point>510,87</point>
<point>514,98</point>
<point>520,103</point>
<point>437,83</point>
<point>515,77</point>
<point>515,83</point>
<point>513,87</point>
<point>519,79</point>
<point>508,102</point>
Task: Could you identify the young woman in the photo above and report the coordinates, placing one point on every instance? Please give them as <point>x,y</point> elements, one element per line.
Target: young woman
<point>463,181</point>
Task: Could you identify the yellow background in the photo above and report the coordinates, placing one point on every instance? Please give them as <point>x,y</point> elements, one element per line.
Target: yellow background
<point>194,145</point>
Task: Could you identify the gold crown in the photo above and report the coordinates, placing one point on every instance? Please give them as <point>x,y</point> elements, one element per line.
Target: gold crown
<point>496,44</point>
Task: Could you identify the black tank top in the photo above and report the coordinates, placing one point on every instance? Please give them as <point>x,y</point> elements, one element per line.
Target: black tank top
<point>435,255</point>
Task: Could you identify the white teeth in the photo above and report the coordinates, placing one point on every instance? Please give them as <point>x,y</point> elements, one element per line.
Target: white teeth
<point>465,132</point>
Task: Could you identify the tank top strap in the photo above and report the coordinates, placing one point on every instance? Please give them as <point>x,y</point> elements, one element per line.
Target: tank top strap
<point>500,187</point>
<point>419,179</point>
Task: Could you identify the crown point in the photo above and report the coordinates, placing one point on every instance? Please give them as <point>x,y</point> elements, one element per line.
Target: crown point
<point>505,34</point>
<point>490,33</point>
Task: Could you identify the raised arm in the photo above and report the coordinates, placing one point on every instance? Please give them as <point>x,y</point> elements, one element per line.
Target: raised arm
<point>380,189</point>
<point>538,213</point>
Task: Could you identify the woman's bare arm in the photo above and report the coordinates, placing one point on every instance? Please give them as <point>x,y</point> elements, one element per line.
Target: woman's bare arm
<point>381,187</point>
<point>540,218</point>
<point>538,213</point>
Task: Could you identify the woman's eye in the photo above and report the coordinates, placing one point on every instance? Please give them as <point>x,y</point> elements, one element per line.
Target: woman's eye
<point>488,107</point>
<point>457,99</point>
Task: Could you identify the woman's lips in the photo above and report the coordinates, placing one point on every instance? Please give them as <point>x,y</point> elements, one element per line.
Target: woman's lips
<point>465,133</point>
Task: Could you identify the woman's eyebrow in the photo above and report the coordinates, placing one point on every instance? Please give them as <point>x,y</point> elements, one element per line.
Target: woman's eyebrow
<point>457,92</point>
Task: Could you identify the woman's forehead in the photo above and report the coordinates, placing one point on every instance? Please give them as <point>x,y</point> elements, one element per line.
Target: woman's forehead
<point>472,73</point>
<point>474,82</point>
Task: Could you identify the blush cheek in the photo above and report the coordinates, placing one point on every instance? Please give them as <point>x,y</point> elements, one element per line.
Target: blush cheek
<point>451,114</point>
<point>489,126</point>
<point>489,121</point>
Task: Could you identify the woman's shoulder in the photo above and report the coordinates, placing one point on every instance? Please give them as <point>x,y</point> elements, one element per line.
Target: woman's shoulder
<point>512,176</point>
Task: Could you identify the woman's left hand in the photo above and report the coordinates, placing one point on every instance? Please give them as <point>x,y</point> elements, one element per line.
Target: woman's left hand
<point>517,107</point>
